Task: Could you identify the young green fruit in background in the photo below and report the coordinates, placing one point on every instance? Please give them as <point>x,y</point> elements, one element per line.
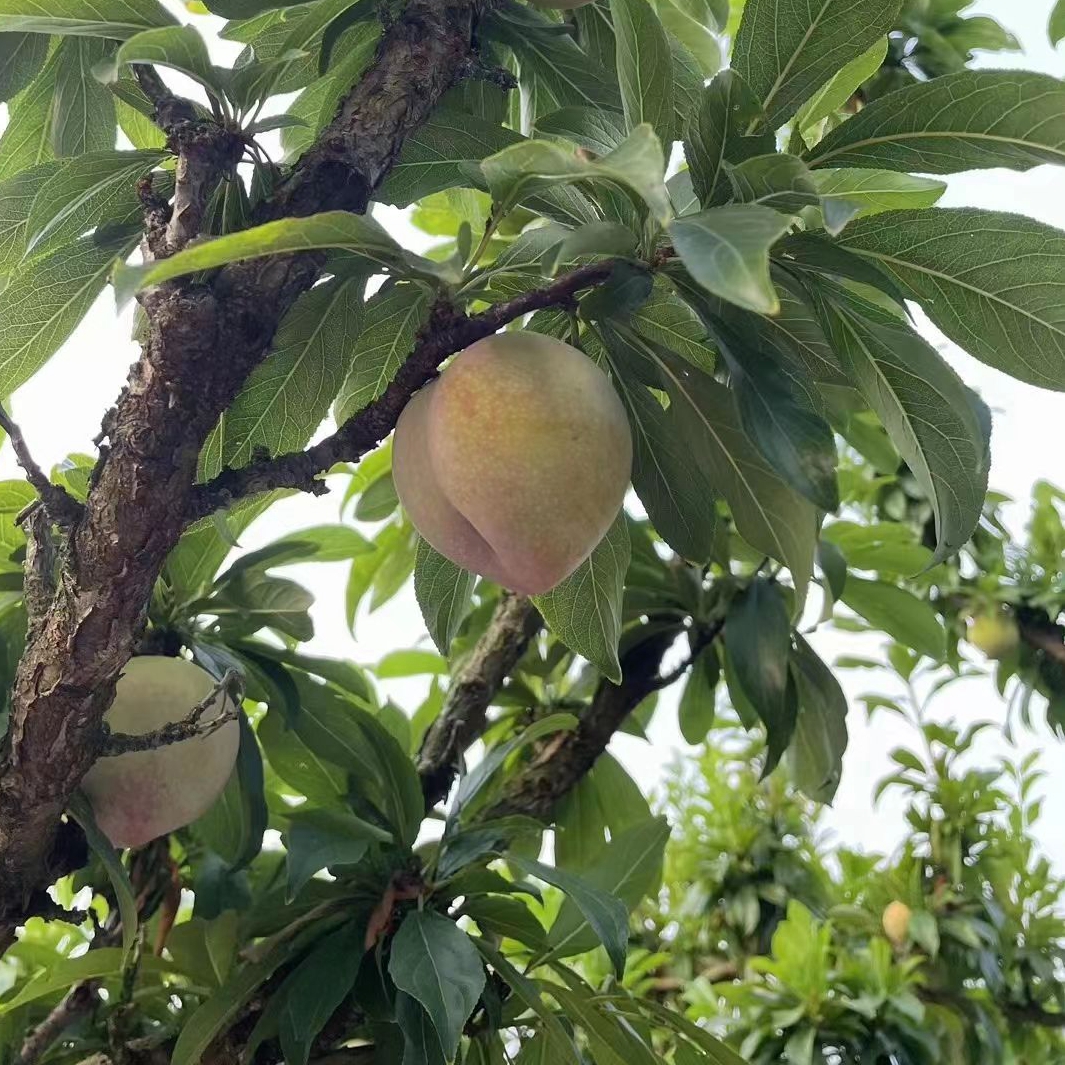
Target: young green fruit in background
<point>896,922</point>
<point>515,462</point>
<point>994,633</point>
<point>141,795</point>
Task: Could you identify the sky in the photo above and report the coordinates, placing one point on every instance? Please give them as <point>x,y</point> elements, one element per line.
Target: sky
<point>60,410</point>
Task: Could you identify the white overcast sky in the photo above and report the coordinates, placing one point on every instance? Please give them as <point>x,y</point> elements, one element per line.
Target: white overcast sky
<point>60,412</point>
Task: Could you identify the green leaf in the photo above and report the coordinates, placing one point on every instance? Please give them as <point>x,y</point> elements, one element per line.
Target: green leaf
<point>218,1009</point>
<point>16,199</point>
<point>391,321</point>
<point>63,973</point>
<point>726,250</point>
<point>506,917</point>
<point>474,781</point>
<point>287,397</point>
<point>815,756</point>
<point>444,592</point>
<point>675,491</point>
<point>86,191</point>
<point>695,714</point>
<point>534,167</point>
<point>628,869</point>
<point>421,1041</point>
<point>897,612</point>
<point>993,282</point>
<point>111,860</point>
<point>1056,26</point>
<point>963,121</point>
<point>781,422</point>
<point>584,611</point>
<point>433,156</point>
<point>874,191</point>
<point>597,131</point>
<point>180,48</point>
<point>611,1043</point>
<point>21,57</point>
<point>644,67</point>
<point>83,111</point>
<point>838,90</point>
<point>27,138</point>
<point>768,514</point>
<point>317,839</point>
<point>331,229</point>
<point>941,428</point>
<point>435,963</point>
<point>758,639</point>
<point>529,994</point>
<point>785,50</point>
<point>296,764</point>
<point>90,18</point>
<point>316,989</point>
<point>44,303</point>
<point>601,912</point>
<point>721,132</point>
<point>884,546</point>
<point>203,950</point>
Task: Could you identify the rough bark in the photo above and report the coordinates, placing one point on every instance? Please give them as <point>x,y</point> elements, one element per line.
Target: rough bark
<point>203,341</point>
<point>463,718</point>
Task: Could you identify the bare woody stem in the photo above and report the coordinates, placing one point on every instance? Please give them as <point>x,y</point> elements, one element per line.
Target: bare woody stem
<point>62,507</point>
<point>464,717</point>
<point>230,689</point>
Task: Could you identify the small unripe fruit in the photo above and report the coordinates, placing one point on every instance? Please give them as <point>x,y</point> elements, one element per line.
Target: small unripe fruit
<point>896,922</point>
<point>141,795</point>
<point>995,634</point>
<point>515,462</point>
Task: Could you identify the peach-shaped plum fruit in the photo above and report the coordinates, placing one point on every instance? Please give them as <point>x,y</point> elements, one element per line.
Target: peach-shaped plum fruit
<point>515,461</point>
<point>144,794</point>
<point>896,922</point>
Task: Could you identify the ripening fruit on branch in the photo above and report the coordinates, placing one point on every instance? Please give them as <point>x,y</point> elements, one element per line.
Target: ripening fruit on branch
<point>896,922</point>
<point>141,795</point>
<point>515,462</point>
<point>994,633</point>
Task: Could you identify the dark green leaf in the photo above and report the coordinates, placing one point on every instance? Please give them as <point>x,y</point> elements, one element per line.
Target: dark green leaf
<point>897,612</point>
<point>205,950</point>
<point>644,67</point>
<point>444,592</point>
<point>721,132</point>
<point>286,398</point>
<point>90,18</point>
<point>963,121</point>
<point>726,250</point>
<point>505,916</point>
<point>786,50</point>
<point>179,47</point>
<point>83,111</point>
<point>758,639</point>
<point>88,190</point>
<point>816,752</point>
<point>319,839</point>
<point>435,963</point>
<point>584,611</point>
<point>597,131</point>
<point>1056,27</point>
<point>296,764</point>
<point>391,320</point>
<point>44,303</point>
<point>695,715</point>
<point>316,988</point>
<point>16,199</point>
<point>993,282</point>
<point>941,428</point>
<point>21,57</point>
<point>421,1041</point>
<point>357,234</point>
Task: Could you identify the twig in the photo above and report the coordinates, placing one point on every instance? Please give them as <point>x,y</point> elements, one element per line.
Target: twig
<point>446,332</point>
<point>231,686</point>
<point>700,639</point>
<point>463,718</point>
<point>80,1000</point>
<point>61,506</point>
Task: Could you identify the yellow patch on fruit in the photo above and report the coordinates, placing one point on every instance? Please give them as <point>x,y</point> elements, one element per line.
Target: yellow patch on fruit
<point>515,462</point>
<point>994,633</point>
<point>896,922</point>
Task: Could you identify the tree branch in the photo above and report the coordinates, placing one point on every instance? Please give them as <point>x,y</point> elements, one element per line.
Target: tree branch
<point>230,687</point>
<point>463,718</point>
<point>80,1000</point>
<point>61,506</point>
<point>446,332</point>
<point>203,339</point>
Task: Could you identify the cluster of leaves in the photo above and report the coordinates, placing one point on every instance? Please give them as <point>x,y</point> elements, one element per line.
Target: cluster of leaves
<point>776,940</point>
<point>754,317</point>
